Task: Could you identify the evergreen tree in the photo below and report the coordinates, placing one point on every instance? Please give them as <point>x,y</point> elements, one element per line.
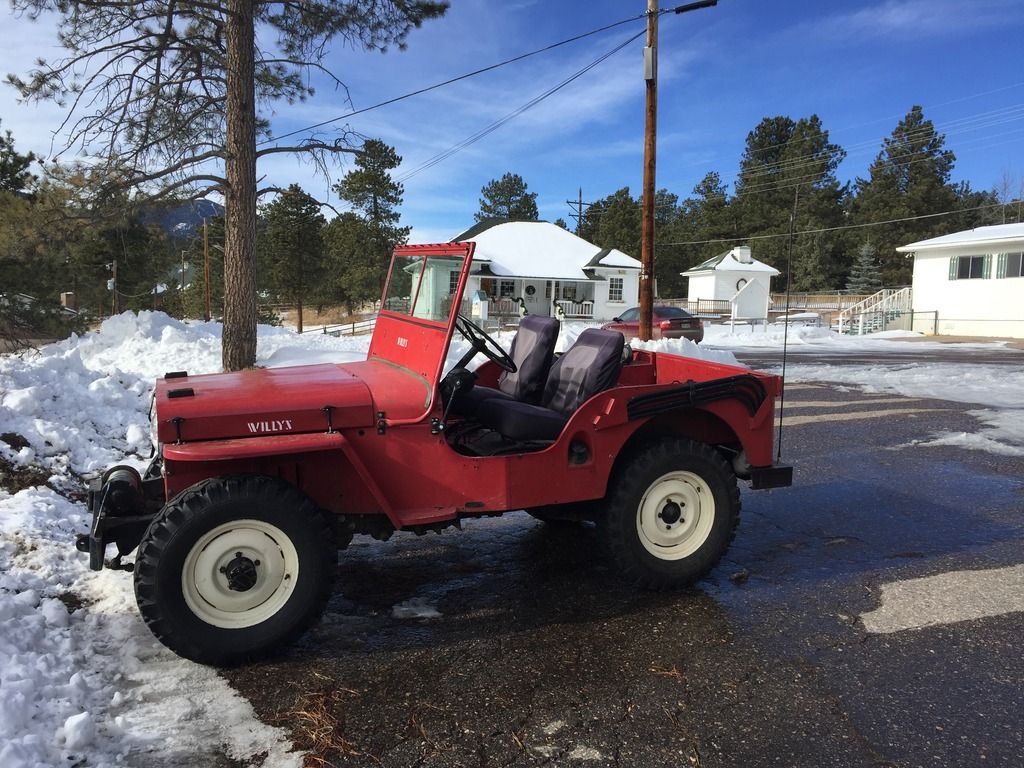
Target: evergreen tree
<point>192,301</point>
<point>293,243</point>
<point>353,278</point>
<point>865,276</point>
<point>789,164</point>
<point>14,173</point>
<point>359,243</point>
<point>614,222</point>
<point>507,198</point>
<point>908,178</point>
<point>704,216</point>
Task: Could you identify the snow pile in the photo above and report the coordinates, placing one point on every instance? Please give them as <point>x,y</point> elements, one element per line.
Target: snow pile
<point>81,678</point>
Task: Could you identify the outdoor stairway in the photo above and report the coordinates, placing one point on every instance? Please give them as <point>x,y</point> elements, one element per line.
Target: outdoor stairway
<point>876,312</point>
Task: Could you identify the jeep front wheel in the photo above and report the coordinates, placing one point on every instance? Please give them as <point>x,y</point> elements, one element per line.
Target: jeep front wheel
<point>234,568</point>
<point>671,514</point>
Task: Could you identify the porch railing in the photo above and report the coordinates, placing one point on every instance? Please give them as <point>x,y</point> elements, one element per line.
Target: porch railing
<point>576,310</point>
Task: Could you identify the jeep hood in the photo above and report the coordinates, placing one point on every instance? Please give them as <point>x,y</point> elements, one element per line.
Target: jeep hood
<point>307,398</point>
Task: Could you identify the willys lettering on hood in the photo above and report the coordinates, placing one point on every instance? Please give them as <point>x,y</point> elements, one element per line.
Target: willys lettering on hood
<point>261,402</point>
<point>284,425</point>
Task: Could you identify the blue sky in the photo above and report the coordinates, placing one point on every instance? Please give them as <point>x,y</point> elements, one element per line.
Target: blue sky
<point>859,65</point>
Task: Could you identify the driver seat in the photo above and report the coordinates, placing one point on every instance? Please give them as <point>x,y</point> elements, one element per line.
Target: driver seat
<point>533,351</point>
<point>590,366</point>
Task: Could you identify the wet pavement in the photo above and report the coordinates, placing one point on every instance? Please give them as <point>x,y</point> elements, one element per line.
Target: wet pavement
<point>540,657</point>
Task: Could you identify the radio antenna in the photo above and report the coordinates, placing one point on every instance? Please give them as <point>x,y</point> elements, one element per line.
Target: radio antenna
<point>785,330</point>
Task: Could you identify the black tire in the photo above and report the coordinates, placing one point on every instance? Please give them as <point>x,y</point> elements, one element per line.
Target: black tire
<point>197,532</point>
<point>655,483</point>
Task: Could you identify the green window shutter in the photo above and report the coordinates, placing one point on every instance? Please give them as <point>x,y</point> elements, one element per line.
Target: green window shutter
<point>954,262</point>
<point>1001,266</point>
<point>986,266</point>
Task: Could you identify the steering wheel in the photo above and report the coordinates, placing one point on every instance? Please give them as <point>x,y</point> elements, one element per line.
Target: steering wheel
<point>481,342</point>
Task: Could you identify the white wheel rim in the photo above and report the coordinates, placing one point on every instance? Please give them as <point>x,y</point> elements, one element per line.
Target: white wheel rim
<point>239,574</point>
<point>675,515</point>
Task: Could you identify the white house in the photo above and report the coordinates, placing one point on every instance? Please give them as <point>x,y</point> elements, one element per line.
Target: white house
<point>545,265</point>
<point>973,280</point>
<point>723,276</point>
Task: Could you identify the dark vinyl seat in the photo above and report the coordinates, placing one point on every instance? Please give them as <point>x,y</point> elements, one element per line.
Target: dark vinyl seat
<point>533,350</point>
<point>590,366</point>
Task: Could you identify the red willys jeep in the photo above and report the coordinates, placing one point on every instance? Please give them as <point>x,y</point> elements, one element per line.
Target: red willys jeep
<point>260,476</point>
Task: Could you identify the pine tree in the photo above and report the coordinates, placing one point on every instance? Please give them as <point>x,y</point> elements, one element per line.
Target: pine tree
<point>908,178</point>
<point>293,243</point>
<point>14,173</point>
<point>789,165</point>
<point>507,198</point>
<point>865,276</point>
<point>706,215</point>
<point>360,242</point>
<point>613,222</point>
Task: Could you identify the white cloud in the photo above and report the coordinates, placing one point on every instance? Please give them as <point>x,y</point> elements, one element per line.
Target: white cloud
<point>912,19</point>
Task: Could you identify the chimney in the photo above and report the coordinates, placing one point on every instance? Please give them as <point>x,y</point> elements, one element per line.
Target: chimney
<point>742,254</point>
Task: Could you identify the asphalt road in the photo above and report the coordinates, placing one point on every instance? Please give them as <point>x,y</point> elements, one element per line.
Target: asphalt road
<point>820,641</point>
<point>904,353</point>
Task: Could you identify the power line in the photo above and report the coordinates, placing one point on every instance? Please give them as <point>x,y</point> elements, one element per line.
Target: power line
<point>472,139</point>
<point>466,76</point>
<point>836,229</point>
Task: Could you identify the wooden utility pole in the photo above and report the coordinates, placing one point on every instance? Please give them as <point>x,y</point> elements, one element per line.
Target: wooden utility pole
<point>115,305</point>
<point>650,152</point>
<point>206,270</point>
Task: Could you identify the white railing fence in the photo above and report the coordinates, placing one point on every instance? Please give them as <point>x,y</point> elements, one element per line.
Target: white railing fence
<point>876,311</point>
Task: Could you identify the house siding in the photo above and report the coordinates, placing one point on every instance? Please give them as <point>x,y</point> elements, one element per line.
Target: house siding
<point>989,306</point>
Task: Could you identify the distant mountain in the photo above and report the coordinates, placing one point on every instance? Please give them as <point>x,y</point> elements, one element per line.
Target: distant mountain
<point>181,220</point>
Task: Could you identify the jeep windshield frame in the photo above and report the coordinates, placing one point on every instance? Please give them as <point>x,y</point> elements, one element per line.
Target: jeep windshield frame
<point>418,308</point>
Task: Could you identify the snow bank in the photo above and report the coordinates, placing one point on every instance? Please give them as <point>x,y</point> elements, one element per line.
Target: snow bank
<point>82,680</point>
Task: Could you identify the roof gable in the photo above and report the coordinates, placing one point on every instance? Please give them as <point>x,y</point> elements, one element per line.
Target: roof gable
<point>727,262</point>
<point>540,249</point>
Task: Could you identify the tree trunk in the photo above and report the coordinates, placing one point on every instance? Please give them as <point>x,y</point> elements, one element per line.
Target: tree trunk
<point>239,344</point>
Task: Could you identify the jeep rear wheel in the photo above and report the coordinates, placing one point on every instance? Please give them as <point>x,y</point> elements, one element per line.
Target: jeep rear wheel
<point>234,568</point>
<point>671,514</point>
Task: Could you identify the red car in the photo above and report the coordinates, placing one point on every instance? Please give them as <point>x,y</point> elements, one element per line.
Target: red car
<point>261,476</point>
<point>666,323</point>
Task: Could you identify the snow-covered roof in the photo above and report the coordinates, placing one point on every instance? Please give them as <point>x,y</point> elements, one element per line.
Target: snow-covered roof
<point>736,260</point>
<point>539,249</point>
<point>993,236</point>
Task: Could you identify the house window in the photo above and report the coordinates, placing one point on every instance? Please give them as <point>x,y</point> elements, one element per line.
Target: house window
<point>1011,265</point>
<point>547,290</point>
<point>508,288</point>
<point>453,283</point>
<point>614,289</point>
<point>569,292</point>
<point>970,267</point>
